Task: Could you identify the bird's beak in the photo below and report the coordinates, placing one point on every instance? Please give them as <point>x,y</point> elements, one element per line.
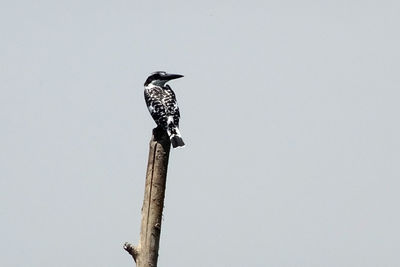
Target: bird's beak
<point>172,76</point>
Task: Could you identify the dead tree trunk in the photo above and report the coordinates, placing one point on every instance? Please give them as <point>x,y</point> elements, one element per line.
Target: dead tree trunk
<point>146,253</point>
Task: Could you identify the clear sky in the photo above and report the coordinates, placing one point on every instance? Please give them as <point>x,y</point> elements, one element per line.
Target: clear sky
<point>290,112</point>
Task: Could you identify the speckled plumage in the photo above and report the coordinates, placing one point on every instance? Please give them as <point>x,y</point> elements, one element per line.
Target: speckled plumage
<point>161,102</point>
<point>163,107</point>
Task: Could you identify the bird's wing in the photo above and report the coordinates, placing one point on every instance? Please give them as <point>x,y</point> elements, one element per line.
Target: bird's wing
<point>157,108</point>
<point>171,105</point>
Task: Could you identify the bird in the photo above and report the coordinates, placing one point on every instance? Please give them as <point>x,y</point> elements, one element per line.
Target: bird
<point>162,105</point>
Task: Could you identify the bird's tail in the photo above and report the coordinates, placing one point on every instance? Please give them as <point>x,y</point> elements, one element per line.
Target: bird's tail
<point>177,141</point>
<point>175,137</point>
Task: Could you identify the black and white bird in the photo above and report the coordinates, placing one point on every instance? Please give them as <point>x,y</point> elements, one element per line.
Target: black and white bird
<point>161,102</point>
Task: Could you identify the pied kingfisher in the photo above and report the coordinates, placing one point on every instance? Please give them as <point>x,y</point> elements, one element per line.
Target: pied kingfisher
<point>161,102</point>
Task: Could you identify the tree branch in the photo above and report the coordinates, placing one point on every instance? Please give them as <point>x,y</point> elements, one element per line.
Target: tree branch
<point>131,250</point>
<point>146,253</point>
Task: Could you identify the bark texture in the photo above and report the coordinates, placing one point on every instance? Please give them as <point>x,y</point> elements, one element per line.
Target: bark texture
<point>146,253</point>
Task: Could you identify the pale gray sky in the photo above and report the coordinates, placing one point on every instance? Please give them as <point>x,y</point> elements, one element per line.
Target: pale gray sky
<point>289,111</point>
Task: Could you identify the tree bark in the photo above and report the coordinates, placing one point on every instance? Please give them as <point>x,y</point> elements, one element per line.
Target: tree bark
<point>146,253</point>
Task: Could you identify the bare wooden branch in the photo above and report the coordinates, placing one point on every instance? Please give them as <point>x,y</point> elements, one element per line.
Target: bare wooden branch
<point>131,250</point>
<point>146,253</point>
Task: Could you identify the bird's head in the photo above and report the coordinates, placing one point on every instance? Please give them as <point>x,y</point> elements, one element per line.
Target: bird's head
<point>159,78</point>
